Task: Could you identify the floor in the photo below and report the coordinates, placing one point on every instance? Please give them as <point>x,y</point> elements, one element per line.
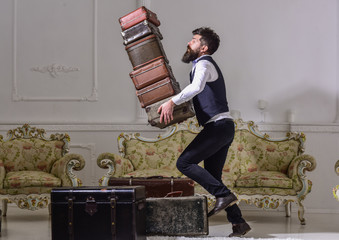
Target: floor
<point>36,225</point>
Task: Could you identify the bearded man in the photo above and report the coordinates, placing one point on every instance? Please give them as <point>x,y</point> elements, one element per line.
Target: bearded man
<point>208,91</point>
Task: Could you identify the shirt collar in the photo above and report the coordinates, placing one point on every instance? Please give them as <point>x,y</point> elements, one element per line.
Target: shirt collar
<point>196,60</point>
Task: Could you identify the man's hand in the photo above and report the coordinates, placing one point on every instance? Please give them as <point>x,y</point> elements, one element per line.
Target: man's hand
<point>166,111</point>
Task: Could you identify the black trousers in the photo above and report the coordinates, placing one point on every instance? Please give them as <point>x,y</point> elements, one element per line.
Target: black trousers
<point>211,146</point>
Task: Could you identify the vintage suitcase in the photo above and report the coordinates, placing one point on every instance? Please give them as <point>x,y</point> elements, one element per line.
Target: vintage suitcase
<point>105,213</point>
<point>157,91</point>
<point>180,113</point>
<point>138,16</point>
<point>145,50</point>
<point>151,73</point>
<point>139,31</point>
<point>158,186</point>
<point>180,216</point>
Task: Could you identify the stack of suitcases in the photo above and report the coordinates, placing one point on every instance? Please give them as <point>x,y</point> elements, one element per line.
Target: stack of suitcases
<point>152,75</point>
<point>131,209</point>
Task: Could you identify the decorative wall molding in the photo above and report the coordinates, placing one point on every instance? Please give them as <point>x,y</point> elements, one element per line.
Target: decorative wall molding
<point>53,69</point>
<point>82,127</point>
<point>116,127</point>
<point>90,163</point>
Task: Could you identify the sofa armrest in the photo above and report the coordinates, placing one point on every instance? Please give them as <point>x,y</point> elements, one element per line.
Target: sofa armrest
<point>296,171</point>
<point>117,166</point>
<point>63,169</point>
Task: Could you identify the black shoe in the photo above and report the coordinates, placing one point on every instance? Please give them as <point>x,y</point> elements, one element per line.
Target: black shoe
<point>222,203</point>
<point>240,229</point>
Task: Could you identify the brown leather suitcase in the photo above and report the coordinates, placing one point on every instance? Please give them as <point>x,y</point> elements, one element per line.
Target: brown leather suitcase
<point>180,113</point>
<point>157,91</point>
<point>105,213</point>
<point>180,216</point>
<point>157,186</point>
<point>145,50</point>
<point>151,73</point>
<point>138,16</point>
<point>139,31</point>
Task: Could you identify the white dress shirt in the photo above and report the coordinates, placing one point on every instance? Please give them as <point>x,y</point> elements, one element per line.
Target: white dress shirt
<point>204,72</point>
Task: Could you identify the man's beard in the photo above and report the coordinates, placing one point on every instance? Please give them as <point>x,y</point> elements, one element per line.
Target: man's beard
<point>190,55</point>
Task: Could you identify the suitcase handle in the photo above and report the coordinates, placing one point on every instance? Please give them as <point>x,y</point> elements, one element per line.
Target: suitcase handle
<point>174,194</point>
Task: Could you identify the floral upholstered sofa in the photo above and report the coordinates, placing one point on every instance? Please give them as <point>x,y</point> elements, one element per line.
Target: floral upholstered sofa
<point>31,165</point>
<point>262,171</point>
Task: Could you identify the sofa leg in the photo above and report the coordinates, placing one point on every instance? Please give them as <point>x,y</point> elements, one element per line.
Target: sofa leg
<point>288,206</point>
<point>301,212</point>
<point>4,207</point>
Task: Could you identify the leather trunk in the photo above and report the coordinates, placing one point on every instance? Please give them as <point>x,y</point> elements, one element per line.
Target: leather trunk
<point>180,113</point>
<point>145,50</point>
<point>157,186</point>
<point>157,91</point>
<point>105,213</point>
<point>180,216</point>
<point>139,31</point>
<point>138,16</point>
<point>151,73</point>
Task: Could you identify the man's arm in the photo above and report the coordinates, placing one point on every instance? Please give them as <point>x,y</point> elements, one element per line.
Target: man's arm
<point>202,75</point>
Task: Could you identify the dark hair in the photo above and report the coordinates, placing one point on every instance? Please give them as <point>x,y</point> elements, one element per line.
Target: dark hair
<point>208,38</point>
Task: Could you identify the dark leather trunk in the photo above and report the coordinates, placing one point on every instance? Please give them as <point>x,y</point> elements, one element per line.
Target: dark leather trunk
<point>151,73</point>
<point>157,91</point>
<point>180,113</point>
<point>145,50</point>
<point>105,213</point>
<point>158,186</point>
<point>139,31</point>
<point>180,216</point>
<point>138,16</point>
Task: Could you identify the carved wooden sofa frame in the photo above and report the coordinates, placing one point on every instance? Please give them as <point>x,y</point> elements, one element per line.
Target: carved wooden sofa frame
<point>32,164</point>
<point>261,170</point>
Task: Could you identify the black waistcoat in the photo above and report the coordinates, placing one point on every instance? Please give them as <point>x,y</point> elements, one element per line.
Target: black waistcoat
<point>212,100</point>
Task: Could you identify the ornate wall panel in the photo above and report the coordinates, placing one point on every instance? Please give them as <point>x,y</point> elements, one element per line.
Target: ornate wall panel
<point>88,174</point>
<point>55,50</point>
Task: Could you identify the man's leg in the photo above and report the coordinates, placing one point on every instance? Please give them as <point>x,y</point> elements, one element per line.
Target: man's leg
<point>234,215</point>
<point>214,137</point>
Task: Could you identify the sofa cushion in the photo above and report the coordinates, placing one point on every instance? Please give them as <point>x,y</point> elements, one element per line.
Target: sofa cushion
<point>264,179</point>
<point>23,179</point>
<point>154,172</point>
<point>264,191</point>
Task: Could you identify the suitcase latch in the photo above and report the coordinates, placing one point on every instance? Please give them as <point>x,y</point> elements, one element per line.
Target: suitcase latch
<point>91,206</point>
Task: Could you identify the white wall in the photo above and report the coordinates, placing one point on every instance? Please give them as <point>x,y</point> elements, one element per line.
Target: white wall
<point>282,51</point>
<point>279,51</point>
